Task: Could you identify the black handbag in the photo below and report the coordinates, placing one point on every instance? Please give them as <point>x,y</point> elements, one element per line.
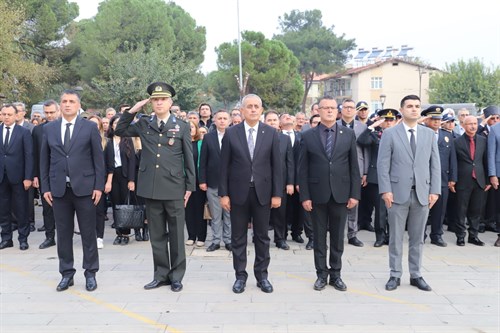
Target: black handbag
<point>129,216</point>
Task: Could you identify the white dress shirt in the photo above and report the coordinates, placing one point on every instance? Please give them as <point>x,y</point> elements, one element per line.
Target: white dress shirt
<point>4,133</point>
<point>408,134</point>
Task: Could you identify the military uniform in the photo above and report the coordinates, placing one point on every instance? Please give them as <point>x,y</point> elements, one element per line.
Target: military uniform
<point>166,172</point>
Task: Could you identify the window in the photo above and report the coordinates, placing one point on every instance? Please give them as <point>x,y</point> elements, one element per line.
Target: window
<point>375,105</point>
<point>376,83</point>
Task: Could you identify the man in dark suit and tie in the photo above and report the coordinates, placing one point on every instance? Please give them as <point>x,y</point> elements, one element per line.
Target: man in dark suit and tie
<point>16,175</point>
<point>250,186</point>
<point>448,159</point>
<point>329,185</point>
<point>278,215</point>
<point>209,181</point>
<point>472,183</point>
<point>409,178</point>
<point>72,180</point>
<point>166,179</point>
<point>51,111</point>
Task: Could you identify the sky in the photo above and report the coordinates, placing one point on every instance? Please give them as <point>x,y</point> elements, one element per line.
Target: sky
<point>440,32</point>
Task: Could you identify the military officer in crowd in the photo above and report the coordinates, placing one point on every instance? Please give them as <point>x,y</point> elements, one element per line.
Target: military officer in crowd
<point>448,159</point>
<point>166,179</point>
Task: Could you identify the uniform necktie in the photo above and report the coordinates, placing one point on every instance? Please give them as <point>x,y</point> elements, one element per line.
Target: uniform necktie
<point>67,137</point>
<point>251,143</point>
<point>472,146</point>
<point>162,125</point>
<point>6,142</point>
<point>329,142</point>
<point>413,144</point>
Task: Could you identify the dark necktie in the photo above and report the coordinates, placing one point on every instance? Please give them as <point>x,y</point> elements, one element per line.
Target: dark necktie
<point>472,146</point>
<point>413,144</point>
<point>162,125</point>
<point>329,142</point>
<point>6,142</point>
<point>67,137</point>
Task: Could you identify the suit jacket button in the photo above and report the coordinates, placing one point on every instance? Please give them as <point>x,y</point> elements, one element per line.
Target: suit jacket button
<point>159,145</point>
<point>157,166</point>
<point>157,155</point>
<point>161,134</point>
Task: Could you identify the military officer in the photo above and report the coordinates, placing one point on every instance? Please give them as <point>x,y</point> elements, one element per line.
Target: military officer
<point>166,179</point>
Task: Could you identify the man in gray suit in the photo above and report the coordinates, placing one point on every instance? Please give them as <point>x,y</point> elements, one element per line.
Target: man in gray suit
<point>409,177</point>
<point>348,114</point>
<point>494,170</point>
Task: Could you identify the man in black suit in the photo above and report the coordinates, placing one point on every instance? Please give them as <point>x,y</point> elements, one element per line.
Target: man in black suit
<point>278,219</point>
<point>448,159</point>
<point>209,181</point>
<point>472,184</point>
<point>51,111</point>
<point>16,175</point>
<point>72,180</point>
<point>329,185</point>
<point>250,186</point>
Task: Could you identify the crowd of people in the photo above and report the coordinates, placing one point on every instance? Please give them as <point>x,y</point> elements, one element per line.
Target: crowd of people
<point>338,171</point>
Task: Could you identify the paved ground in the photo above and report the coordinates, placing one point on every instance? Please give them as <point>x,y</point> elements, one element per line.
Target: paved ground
<point>465,296</point>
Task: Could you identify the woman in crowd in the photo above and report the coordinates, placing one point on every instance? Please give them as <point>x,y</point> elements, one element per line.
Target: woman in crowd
<point>109,167</point>
<point>202,131</point>
<point>196,226</point>
<point>123,175</point>
<point>137,199</point>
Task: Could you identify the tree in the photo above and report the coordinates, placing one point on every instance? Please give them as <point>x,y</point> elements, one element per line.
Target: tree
<point>126,25</point>
<point>466,82</point>
<point>125,78</point>
<point>317,47</point>
<point>20,74</point>
<point>271,66</point>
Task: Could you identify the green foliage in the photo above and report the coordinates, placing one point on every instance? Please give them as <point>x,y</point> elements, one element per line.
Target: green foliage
<point>126,25</point>
<point>18,71</point>
<point>272,68</point>
<point>318,48</point>
<point>466,82</point>
<point>129,72</point>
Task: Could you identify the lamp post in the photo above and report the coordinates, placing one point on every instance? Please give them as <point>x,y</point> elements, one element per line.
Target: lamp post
<point>382,99</point>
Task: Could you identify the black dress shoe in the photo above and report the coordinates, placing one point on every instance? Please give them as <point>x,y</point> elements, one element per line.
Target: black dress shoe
<point>356,242</point>
<point>475,241</point>
<point>118,240</point>
<point>176,286</point>
<point>125,240</point>
<point>6,243</point>
<point>379,243</point>
<point>393,283</point>
<point>420,284</point>
<point>138,236</point>
<point>145,233</point>
<point>24,246</point>
<point>298,239</point>
<point>460,241</point>
<point>42,228</point>
<point>229,247</point>
<point>439,242</point>
<point>369,227</point>
<point>156,284</point>
<point>91,283</point>
<point>213,247</point>
<point>338,284</point>
<point>282,245</point>
<point>310,244</point>
<point>47,243</point>
<point>65,283</point>
<point>265,286</point>
<point>239,286</point>
<point>320,284</point>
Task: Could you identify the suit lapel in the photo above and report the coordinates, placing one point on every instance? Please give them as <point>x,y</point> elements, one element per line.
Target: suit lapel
<point>260,138</point>
<point>319,144</point>
<point>400,130</point>
<point>243,139</point>
<point>340,137</point>
<point>1,133</point>
<point>76,130</point>
<point>421,140</point>
<point>13,135</point>
<point>58,132</point>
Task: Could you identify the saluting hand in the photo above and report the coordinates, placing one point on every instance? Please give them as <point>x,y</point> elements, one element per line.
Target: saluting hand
<point>138,106</point>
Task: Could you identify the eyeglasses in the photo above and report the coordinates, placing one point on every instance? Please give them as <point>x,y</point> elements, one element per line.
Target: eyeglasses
<point>463,115</point>
<point>328,107</point>
<point>348,108</point>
